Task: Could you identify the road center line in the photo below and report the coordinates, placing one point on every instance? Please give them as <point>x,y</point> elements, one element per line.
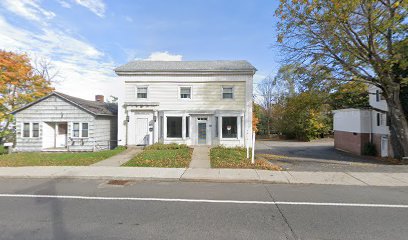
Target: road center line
<point>204,201</point>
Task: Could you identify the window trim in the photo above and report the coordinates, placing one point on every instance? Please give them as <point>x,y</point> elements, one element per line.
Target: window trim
<point>179,93</point>
<point>232,89</point>
<point>79,129</point>
<point>147,91</point>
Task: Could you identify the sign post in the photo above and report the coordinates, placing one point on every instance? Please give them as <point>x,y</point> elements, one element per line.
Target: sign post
<point>253,148</point>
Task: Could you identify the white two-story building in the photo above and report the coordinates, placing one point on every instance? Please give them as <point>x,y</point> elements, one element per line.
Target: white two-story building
<point>353,128</point>
<point>185,102</point>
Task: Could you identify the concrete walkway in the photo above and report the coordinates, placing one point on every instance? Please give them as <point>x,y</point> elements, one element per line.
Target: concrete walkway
<point>210,175</point>
<point>201,157</point>
<point>119,159</point>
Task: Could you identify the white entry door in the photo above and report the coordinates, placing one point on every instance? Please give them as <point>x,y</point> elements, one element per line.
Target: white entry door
<point>142,131</point>
<point>384,146</point>
<point>61,134</point>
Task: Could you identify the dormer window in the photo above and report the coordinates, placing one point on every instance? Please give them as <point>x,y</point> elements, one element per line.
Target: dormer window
<point>142,92</point>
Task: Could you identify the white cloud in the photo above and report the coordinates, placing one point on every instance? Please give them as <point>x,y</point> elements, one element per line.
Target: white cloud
<point>29,9</point>
<point>64,4</point>
<point>164,56</point>
<point>84,70</point>
<point>129,19</point>
<point>95,6</point>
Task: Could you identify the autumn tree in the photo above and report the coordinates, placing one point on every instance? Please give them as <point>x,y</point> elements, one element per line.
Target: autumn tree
<point>353,40</point>
<point>20,83</point>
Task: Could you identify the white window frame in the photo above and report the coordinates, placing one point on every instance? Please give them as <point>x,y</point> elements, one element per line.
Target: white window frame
<point>80,130</point>
<point>183,126</point>
<point>30,130</point>
<point>179,93</point>
<point>147,91</point>
<point>222,92</point>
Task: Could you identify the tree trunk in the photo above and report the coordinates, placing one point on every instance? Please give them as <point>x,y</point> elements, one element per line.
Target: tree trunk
<point>399,123</point>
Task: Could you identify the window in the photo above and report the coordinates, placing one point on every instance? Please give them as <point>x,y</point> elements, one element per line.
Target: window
<point>229,127</point>
<point>187,126</point>
<point>174,127</point>
<point>142,92</point>
<point>36,130</point>
<point>216,126</point>
<point>76,130</point>
<point>84,129</point>
<point>185,92</point>
<point>227,92</point>
<point>377,95</point>
<point>26,130</point>
<point>202,119</point>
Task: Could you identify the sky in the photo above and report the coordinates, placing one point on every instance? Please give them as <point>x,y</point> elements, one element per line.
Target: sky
<point>86,39</point>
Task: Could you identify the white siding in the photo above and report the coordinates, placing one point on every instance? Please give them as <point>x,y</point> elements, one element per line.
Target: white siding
<point>352,120</point>
<point>55,109</point>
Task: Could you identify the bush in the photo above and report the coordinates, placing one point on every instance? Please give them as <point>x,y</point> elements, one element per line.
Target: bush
<point>2,150</point>
<point>369,149</point>
<point>161,146</point>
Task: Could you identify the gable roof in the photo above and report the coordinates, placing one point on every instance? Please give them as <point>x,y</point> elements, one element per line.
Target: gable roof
<point>186,66</point>
<point>92,107</point>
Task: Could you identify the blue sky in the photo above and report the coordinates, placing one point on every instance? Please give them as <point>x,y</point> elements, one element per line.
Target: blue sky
<point>86,39</point>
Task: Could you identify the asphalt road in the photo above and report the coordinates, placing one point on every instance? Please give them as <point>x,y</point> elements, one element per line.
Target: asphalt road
<point>92,209</point>
<point>320,155</point>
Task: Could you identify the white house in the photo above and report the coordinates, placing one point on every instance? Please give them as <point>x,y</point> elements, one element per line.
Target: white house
<point>353,128</point>
<point>186,102</point>
<point>59,122</point>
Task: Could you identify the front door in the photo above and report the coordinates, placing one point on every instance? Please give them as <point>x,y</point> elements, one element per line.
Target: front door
<point>202,133</point>
<point>384,146</point>
<point>61,135</point>
<point>142,131</point>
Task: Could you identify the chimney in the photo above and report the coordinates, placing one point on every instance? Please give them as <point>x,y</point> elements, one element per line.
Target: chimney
<point>99,98</point>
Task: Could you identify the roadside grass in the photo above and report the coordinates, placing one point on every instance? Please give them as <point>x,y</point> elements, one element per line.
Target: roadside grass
<point>222,157</point>
<point>2,150</point>
<point>162,155</point>
<point>55,159</point>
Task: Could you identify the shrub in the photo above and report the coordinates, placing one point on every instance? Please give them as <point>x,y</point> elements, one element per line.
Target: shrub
<point>369,149</point>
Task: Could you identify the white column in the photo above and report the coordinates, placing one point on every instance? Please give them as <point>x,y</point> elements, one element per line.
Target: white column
<point>219,127</point>
<point>183,127</point>
<point>239,127</point>
<point>164,127</point>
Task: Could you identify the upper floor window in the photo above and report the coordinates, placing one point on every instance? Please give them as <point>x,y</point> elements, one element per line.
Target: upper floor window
<point>227,92</point>
<point>142,92</point>
<point>185,92</point>
<point>377,95</point>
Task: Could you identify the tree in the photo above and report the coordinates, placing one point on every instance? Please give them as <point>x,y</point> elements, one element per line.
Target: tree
<point>353,40</point>
<point>349,95</point>
<point>20,84</point>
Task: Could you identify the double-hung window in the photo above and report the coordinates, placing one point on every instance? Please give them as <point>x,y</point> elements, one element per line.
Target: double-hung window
<point>36,130</point>
<point>227,92</point>
<point>26,130</point>
<point>80,130</point>
<point>185,92</point>
<point>141,92</point>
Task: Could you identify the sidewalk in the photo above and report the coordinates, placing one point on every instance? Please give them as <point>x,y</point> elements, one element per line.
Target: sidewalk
<point>210,175</point>
<point>201,157</point>
<point>119,159</point>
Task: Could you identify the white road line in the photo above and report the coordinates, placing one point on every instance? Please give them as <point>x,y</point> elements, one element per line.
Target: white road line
<point>204,201</point>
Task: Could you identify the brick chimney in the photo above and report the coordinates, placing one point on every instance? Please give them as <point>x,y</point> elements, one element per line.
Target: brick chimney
<point>99,98</point>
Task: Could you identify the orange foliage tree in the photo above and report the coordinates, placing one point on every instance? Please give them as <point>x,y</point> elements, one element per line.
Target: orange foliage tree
<point>255,119</point>
<point>20,83</point>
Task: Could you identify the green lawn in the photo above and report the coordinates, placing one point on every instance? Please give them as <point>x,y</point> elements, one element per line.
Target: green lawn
<point>162,155</point>
<point>55,159</point>
<point>222,157</point>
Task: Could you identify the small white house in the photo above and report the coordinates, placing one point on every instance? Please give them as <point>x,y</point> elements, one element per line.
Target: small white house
<point>186,102</point>
<point>353,128</point>
<point>59,122</point>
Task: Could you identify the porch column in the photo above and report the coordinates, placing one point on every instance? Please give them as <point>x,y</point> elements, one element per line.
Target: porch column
<point>164,127</point>
<point>220,127</point>
<point>183,127</point>
<point>239,129</point>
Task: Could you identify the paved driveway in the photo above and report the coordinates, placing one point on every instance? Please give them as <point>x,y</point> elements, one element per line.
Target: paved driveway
<point>320,155</point>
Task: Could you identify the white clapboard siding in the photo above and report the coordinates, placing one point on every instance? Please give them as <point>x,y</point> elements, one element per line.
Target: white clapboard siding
<point>55,109</point>
<point>205,95</point>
